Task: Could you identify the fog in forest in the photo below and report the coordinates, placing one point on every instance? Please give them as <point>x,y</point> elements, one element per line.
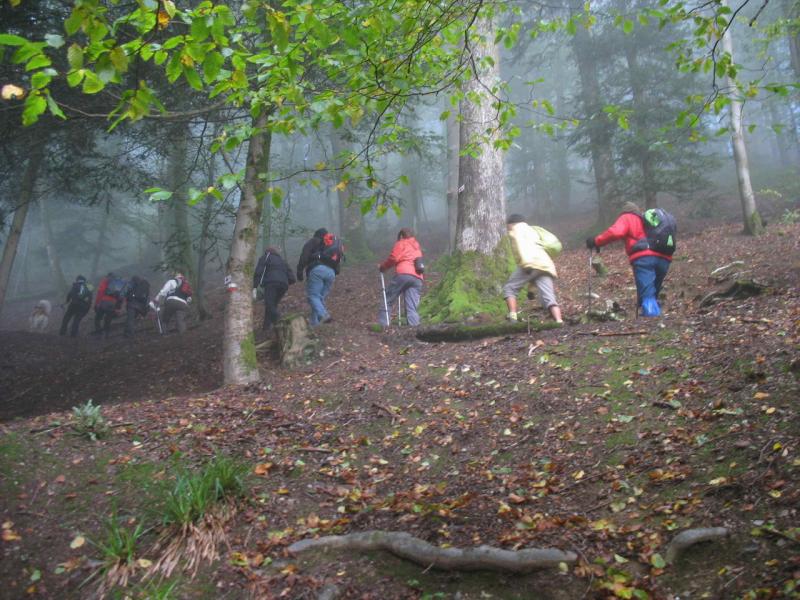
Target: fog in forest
<point>161,194</point>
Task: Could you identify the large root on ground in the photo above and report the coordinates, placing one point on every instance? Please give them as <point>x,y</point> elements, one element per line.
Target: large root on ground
<point>463,333</point>
<point>690,537</point>
<point>418,551</point>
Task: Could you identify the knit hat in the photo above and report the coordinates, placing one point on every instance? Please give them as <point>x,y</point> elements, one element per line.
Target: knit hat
<point>515,218</point>
<point>320,232</point>
<point>631,207</point>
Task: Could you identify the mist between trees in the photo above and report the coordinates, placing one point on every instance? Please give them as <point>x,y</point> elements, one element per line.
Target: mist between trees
<point>157,137</point>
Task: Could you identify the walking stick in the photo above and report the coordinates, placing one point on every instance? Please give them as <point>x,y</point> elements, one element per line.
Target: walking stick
<point>399,312</point>
<point>385,304</point>
<point>158,320</point>
<point>590,281</point>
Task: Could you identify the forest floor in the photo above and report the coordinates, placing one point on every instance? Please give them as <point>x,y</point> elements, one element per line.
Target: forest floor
<point>603,439</point>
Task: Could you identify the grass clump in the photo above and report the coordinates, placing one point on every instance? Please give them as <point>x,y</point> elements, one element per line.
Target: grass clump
<point>195,493</point>
<point>88,421</point>
<point>118,549</point>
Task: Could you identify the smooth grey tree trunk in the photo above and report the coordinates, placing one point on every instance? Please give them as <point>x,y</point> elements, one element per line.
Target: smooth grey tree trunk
<point>178,179</point>
<point>351,221</point>
<point>240,364</point>
<point>452,132</point>
<point>481,198</point>
<point>600,127</point>
<point>752,219</point>
<point>100,245</point>
<point>53,257</point>
<point>26,193</point>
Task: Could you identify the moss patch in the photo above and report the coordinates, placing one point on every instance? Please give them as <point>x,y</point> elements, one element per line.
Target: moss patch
<point>471,285</point>
<point>248,352</point>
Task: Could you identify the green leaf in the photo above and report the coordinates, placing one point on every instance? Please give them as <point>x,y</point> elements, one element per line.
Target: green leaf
<point>193,78</point>
<point>158,195</point>
<point>119,59</point>
<point>54,108</point>
<point>212,66</point>
<point>658,561</point>
<point>35,105</point>
<point>627,26</point>
<point>92,83</point>
<point>75,56</point>
<point>37,62</point>
<point>8,39</point>
<point>53,40</point>
<point>74,79</point>
<point>40,80</point>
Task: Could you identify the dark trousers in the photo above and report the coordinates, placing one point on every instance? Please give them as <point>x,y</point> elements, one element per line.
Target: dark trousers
<point>75,312</point>
<point>133,309</point>
<point>103,316</point>
<point>273,292</point>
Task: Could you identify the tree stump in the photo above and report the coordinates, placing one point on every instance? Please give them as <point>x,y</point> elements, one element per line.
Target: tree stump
<point>297,345</point>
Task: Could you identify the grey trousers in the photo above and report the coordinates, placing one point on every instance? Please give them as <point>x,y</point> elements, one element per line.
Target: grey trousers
<point>411,288</point>
<point>174,307</point>
<point>544,283</point>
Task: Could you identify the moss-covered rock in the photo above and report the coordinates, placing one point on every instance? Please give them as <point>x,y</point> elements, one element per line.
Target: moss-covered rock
<point>471,285</point>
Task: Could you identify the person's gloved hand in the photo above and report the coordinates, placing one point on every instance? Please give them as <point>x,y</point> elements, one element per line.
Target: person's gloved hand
<point>591,244</point>
<point>189,300</point>
<point>255,293</point>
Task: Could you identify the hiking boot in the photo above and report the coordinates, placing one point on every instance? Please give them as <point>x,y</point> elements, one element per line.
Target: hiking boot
<point>329,319</point>
<point>512,316</point>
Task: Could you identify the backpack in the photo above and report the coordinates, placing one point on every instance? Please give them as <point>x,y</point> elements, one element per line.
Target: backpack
<point>419,265</point>
<point>331,251</point>
<point>550,243</point>
<point>183,290</point>
<point>115,287</point>
<point>140,292</point>
<point>81,292</point>
<point>660,229</point>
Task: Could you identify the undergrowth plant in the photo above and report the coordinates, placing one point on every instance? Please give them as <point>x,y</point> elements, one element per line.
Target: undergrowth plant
<point>194,493</point>
<point>88,421</point>
<point>119,545</point>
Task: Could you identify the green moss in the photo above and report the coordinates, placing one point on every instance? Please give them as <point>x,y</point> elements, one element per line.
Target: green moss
<point>460,333</point>
<point>248,352</point>
<point>471,285</point>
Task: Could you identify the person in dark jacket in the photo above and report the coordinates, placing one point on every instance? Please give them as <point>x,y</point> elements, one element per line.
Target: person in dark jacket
<point>274,276</point>
<point>649,267</point>
<point>137,295</point>
<point>320,277</point>
<point>107,302</point>
<point>78,303</point>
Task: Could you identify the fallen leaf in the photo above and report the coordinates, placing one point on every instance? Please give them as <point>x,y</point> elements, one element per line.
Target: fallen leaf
<point>77,542</point>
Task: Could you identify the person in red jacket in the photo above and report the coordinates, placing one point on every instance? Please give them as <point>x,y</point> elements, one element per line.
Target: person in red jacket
<point>107,301</point>
<point>649,267</point>
<point>406,280</point>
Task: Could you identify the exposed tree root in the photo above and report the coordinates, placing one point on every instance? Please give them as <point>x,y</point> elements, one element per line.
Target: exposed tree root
<point>462,333</point>
<point>742,288</point>
<point>407,546</point>
<point>690,537</point>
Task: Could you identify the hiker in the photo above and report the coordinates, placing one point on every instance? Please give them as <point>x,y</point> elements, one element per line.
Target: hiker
<point>274,276</point>
<point>137,296</point>
<point>319,262</point>
<point>406,258</point>
<point>173,301</point>
<point>78,303</point>
<point>534,266</point>
<point>107,302</point>
<point>649,266</point>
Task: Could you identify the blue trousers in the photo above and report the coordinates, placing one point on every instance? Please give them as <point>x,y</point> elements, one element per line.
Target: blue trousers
<point>318,286</point>
<point>649,273</point>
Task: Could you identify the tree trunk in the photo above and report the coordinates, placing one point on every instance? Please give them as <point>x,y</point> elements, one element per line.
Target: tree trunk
<point>750,215</point>
<point>203,243</point>
<point>239,351</point>
<point>351,221</point>
<point>52,253</point>
<point>182,258</point>
<point>481,202</point>
<point>600,127</point>
<point>561,173</point>
<point>20,214</point>
<point>793,15</point>
<point>452,131</point>
<point>643,153</point>
<point>100,245</point>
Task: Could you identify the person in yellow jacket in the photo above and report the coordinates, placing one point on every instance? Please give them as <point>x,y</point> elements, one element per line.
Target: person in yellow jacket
<point>534,265</point>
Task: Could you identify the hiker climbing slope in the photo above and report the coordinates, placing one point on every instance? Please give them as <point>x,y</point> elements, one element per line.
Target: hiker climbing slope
<point>405,257</point>
<point>107,302</point>
<point>173,301</point>
<point>137,296</point>
<point>274,276</point>
<point>319,263</point>
<point>78,303</point>
<point>534,265</point>
<point>649,243</point>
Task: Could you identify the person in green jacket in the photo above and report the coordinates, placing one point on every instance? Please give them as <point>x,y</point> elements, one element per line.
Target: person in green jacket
<point>534,265</point>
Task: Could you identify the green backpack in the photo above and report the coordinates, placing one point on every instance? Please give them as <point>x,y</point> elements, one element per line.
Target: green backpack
<point>550,242</point>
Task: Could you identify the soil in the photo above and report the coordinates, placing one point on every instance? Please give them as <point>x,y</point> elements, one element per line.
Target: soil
<point>606,439</point>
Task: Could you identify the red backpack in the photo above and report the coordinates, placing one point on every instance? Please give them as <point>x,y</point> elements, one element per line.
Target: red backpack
<point>331,252</point>
<point>183,290</point>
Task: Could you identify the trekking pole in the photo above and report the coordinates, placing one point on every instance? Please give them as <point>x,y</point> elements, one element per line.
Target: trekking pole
<point>158,321</point>
<point>590,282</point>
<point>385,304</point>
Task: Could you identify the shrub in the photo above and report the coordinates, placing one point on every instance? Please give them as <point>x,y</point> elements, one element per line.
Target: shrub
<point>88,421</point>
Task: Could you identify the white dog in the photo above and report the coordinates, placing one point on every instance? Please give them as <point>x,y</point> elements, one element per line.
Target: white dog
<point>40,316</point>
